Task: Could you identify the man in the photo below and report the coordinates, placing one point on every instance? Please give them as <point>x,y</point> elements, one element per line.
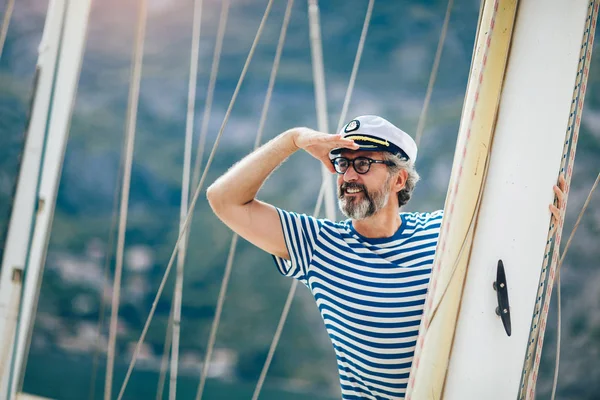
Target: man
<point>368,274</point>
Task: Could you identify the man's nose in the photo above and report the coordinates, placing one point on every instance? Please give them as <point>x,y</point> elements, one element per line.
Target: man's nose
<point>350,175</point>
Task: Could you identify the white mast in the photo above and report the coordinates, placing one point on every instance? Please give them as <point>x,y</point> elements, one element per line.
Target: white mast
<point>57,75</point>
<point>484,317</point>
<point>320,98</point>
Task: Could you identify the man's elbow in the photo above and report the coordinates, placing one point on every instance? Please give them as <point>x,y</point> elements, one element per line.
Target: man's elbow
<point>215,199</point>
<point>223,203</point>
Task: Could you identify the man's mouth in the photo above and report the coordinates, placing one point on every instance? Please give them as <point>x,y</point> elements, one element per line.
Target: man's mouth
<point>353,190</point>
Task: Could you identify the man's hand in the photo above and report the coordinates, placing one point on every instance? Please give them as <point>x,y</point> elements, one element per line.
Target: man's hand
<point>560,196</point>
<point>319,144</point>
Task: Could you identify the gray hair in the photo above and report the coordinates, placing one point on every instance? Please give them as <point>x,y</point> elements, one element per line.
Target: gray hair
<point>412,179</point>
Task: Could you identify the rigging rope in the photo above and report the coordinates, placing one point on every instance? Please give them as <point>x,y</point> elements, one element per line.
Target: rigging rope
<point>134,92</point>
<point>218,311</point>
<point>361,45</point>
<point>322,192</point>
<point>225,281</point>
<point>211,90</point>
<point>164,362</point>
<point>284,313</point>
<point>185,190</point>
<point>558,338</point>
<point>535,339</point>
<point>201,144</point>
<point>560,263</point>
<point>275,342</point>
<point>274,70</point>
<point>194,200</point>
<point>5,23</point>
<point>107,261</point>
<point>433,75</point>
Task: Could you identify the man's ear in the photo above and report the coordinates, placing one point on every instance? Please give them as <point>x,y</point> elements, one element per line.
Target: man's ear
<point>400,181</point>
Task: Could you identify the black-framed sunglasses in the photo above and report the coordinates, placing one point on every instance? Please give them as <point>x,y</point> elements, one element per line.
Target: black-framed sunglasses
<point>361,165</point>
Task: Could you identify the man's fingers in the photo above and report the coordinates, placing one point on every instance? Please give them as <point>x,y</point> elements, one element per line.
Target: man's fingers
<point>333,140</point>
<point>326,137</point>
<point>555,211</point>
<point>348,143</point>
<point>351,145</point>
<point>338,141</point>
<point>559,193</point>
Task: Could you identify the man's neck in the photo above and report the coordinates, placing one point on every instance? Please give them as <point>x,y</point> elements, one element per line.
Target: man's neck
<point>381,225</point>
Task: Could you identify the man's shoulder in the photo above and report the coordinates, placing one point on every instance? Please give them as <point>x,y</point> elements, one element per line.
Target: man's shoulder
<point>423,216</point>
<point>423,220</point>
<point>307,218</point>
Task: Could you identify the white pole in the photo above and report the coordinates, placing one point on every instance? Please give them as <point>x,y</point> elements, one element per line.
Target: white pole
<point>19,229</point>
<point>59,64</point>
<point>320,97</point>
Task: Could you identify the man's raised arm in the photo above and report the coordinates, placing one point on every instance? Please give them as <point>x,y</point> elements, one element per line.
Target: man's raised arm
<point>233,196</point>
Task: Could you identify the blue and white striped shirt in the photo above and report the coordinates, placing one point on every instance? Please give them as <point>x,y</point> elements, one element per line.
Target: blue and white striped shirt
<point>370,293</point>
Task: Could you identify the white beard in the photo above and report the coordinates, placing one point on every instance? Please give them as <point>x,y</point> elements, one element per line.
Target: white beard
<point>362,208</point>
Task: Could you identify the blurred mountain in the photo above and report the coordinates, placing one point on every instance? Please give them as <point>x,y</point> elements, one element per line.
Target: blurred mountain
<point>391,82</point>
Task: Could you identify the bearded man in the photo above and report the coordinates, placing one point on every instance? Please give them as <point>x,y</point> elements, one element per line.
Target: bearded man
<point>369,274</point>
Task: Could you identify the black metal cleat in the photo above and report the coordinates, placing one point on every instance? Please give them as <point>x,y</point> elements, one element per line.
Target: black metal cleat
<point>501,288</point>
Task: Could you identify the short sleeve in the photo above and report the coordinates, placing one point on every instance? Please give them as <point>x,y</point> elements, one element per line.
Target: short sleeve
<point>301,233</point>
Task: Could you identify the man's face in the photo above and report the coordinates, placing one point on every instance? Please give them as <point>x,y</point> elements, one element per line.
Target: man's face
<point>362,195</point>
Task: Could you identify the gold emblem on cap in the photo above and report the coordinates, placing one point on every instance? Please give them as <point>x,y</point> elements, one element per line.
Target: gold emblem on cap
<point>368,139</point>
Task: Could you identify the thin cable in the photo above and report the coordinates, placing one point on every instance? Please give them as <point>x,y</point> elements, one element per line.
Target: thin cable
<point>433,75</point>
<point>164,362</point>
<point>211,90</point>
<point>185,194</point>
<point>284,314</point>
<point>5,23</point>
<point>361,45</point>
<point>585,206</point>
<point>232,249</point>
<point>560,262</point>
<point>275,342</point>
<point>558,333</point>
<point>209,96</point>
<point>107,261</point>
<point>134,94</point>
<point>274,70</point>
<point>219,310</point>
<point>201,144</point>
<point>194,200</point>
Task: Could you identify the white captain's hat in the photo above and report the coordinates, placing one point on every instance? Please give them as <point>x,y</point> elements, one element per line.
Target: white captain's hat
<point>373,133</point>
